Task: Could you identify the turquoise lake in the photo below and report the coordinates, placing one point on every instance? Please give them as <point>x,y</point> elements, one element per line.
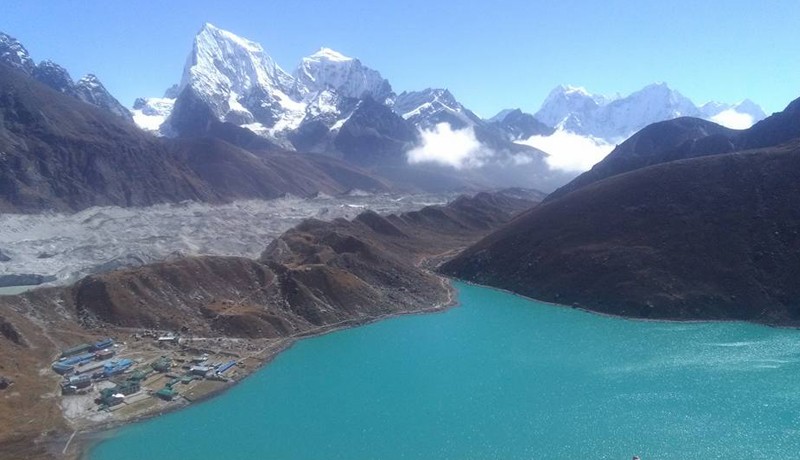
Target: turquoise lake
<point>500,377</point>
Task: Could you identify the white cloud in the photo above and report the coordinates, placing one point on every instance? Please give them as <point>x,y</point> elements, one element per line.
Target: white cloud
<point>732,119</point>
<point>457,148</point>
<point>569,151</point>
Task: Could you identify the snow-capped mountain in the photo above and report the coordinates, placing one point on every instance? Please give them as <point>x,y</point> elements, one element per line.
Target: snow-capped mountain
<point>328,69</point>
<point>13,53</point>
<point>429,107</point>
<point>88,89</point>
<point>565,101</point>
<point>150,113</point>
<point>238,81</point>
<point>613,120</point>
<point>517,124</point>
<point>54,76</point>
<point>736,116</point>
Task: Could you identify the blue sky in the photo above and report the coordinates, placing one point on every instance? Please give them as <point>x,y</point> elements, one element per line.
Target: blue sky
<point>491,55</point>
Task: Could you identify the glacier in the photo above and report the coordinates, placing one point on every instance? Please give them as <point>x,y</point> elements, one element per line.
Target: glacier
<point>70,246</point>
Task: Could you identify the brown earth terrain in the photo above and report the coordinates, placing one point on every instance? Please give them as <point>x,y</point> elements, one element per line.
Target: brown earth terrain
<point>315,278</point>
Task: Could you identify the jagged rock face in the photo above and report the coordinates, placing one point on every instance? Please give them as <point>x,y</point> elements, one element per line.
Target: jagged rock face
<point>427,108</point>
<point>327,69</point>
<point>518,125</point>
<point>326,113</point>
<point>373,135</point>
<point>14,54</point>
<point>89,89</point>
<point>56,77</point>
<point>237,81</point>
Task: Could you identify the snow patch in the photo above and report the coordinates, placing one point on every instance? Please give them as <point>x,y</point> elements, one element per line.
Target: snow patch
<point>330,55</point>
<point>149,114</point>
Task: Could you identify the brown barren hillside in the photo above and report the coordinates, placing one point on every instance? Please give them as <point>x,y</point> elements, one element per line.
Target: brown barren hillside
<point>316,277</point>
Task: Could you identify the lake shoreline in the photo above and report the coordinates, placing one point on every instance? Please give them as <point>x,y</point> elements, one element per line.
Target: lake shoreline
<point>79,444</point>
<point>623,317</point>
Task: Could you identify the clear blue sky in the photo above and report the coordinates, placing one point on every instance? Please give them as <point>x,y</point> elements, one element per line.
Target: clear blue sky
<point>490,54</point>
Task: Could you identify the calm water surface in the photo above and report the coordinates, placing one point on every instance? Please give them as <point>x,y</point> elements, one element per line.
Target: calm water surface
<point>501,377</point>
<point>14,290</point>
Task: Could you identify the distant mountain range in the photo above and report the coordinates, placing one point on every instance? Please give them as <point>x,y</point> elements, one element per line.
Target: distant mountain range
<point>615,119</point>
<point>307,110</point>
<point>334,105</point>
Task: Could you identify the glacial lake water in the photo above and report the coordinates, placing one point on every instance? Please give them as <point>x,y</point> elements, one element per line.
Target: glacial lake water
<point>500,377</point>
<point>14,290</point>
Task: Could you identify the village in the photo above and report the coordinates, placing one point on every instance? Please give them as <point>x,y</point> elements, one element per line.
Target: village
<point>149,371</point>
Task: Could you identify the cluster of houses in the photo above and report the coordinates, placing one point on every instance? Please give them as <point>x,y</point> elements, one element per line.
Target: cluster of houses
<point>87,362</point>
<point>83,365</point>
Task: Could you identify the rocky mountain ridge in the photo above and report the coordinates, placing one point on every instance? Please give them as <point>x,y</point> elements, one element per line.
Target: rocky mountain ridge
<point>88,88</point>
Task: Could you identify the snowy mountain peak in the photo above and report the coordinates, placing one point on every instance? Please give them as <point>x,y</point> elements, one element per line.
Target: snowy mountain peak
<point>14,54</point>
<point>564,101</point>
<point>328,69</point>
<point>569,89</point>
<point>223,58</point>
<point>54,76</point>
<point>429,107</point>
<point>237,80</point>
<point>210,30</point>
<point>329,55</point>
<point>89,89</point>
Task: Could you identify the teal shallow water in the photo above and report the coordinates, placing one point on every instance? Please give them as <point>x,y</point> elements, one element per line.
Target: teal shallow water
<point>500,377</point>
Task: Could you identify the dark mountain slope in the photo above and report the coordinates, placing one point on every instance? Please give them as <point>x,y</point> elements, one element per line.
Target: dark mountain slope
<point>63,154</point>
<point>59,153</point>
<point>688,138</point>
<point>714,237</point>
<point>657,143</point>
<point>775,129</point>
<point>517,125</point>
